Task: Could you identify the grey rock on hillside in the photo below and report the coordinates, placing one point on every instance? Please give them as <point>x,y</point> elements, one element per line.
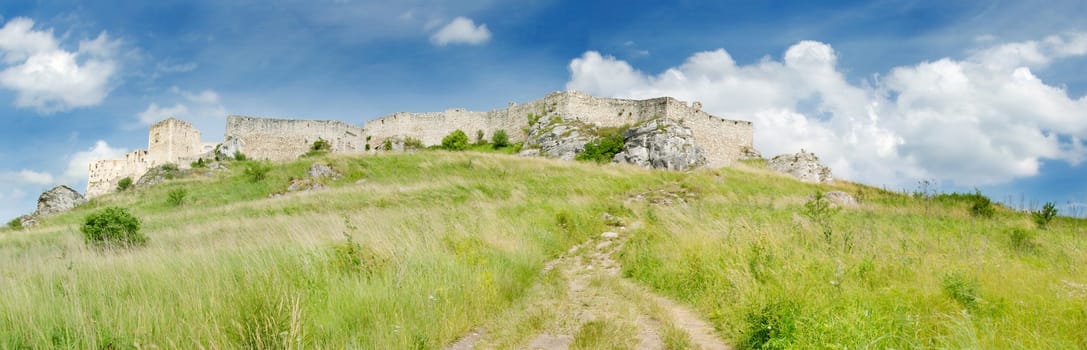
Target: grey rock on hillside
<point>804,166</point>
<point>58,200</point>
<point>661,144</point>
<point>559,137</point>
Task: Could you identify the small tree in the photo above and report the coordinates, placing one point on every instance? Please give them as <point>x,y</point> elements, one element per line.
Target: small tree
<point>199,163</point>
<point>112,226</point>
<point>479,137</point>
<point>455,141</point>
<point>500,139</point>
<point>1044,216</point>
<point>124,184</point>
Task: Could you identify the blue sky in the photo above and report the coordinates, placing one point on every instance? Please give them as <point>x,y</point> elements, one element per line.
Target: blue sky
<point>986,94</point>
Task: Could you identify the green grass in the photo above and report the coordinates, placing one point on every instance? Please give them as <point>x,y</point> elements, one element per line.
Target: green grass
<point>413,250</point>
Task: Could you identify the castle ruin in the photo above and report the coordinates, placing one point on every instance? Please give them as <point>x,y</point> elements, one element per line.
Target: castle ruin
<point>175,141</point>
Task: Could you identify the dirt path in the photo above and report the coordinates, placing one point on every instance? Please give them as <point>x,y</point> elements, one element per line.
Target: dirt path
<point>587,304</point>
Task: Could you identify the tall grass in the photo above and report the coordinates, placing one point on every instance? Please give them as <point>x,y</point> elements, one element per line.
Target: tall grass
<point>413,250</point>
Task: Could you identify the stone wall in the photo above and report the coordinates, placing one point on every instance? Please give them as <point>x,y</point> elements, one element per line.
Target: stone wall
<point>722,139</point>
<point>170,140</point>
<point>286,139</point>
<point>104,174</point>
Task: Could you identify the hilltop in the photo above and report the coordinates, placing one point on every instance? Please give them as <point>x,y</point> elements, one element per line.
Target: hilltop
<point>432,249</point>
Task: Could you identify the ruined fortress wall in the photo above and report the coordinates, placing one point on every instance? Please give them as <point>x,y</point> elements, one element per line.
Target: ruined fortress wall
<point>286,139</point>
<point>104,174</point>
<point>431,127</point>
<point>723,140</point>
<point>171,140</point>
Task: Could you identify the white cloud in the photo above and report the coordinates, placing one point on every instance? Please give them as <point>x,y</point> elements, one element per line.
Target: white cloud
<point>35,177</point>
<point>203,109</point>
<point>48,78</point>
<point>461,30</point>
<point>75,174</point>
<point>979,120</point>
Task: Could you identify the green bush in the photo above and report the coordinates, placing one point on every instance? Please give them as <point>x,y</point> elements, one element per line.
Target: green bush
<point>771,326</point>
<point>982,206</point>
<point>411,143</point>
<point>198,164</point>
<point>1022,240</point>
<point>367,146</point>
<point>239,156</point>
<point>387,145</point>
<point>124,184</point>
<point>352,257</point>
<point>169,167</point>
<point>961,290</point>
<point>1044,216</point>
<point>176,196</point>
<point>602,149</point>
<point>500,139</point>
<point>112,226</point>
<point>321,145</point>
<point>819,210</point>
<point>256,172</point>
<point>15,224</point>
<point>455,141</point>
<point>479,137</point>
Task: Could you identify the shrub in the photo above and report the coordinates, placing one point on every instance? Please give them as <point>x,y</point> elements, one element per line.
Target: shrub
<point>1044,216</point>
<point>982,206</point>
<point>455,141</point>
<point>500,139</point>
<point>961,290</point>
<point>169,167</point>
<point>256,172</point>
<point>602,149</point>
<point>199,163</point>
<point>239,156</point>
<point>124,184</point>
<point>388,145</point>
<point>1022,240</point>
<point>771,327</point>
<point>15,224</point>
<point>321,145</point>
<point>412,143</point>
<point>352,257</point>
<point>176,196</point>
<point>112,226</point>
<point>533,118</point>
<point>479,137</point>
<point>367,146</point>
<point>819,210</point>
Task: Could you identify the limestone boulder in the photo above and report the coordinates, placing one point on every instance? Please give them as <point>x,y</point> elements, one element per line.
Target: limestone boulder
<point>27,221</point>
<point>804,166</point>
<point>841,199</point>
<point>320,170</point>
<point>58,200</point>
<point>558,137</point>
<point>750,153</point>
<point>661,144</point>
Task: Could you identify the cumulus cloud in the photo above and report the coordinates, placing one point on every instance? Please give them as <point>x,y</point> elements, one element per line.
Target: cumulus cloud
<point>204,109</point>
<point>48,78</point>
<point>982,119</point>
<point>461,30</point>
<point>26,177</point>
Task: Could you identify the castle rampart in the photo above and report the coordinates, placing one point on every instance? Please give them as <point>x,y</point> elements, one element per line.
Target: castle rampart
<point>723,140</point>
<point>172,139</point>
<point>104,174</point>
<point>286,139</point>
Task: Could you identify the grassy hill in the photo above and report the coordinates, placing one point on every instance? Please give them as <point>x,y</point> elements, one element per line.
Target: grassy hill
<point>413,251</point>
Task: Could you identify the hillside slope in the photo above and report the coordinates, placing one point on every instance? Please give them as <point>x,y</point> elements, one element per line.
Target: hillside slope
<point>417,250</point>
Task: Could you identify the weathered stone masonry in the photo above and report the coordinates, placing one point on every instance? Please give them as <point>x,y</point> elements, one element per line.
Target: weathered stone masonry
<point>175,141</point>
<point>723,140</point>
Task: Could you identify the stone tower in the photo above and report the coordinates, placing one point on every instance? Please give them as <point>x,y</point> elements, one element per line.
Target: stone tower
<point>172,139</point>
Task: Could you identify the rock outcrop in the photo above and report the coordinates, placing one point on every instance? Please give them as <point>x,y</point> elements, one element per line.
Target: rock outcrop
<point>841,199</point>
<point>804,166</point>
<point>559,137</point>
<point>58,200</point>
<point>314,178</point>
<point>661,144</point>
